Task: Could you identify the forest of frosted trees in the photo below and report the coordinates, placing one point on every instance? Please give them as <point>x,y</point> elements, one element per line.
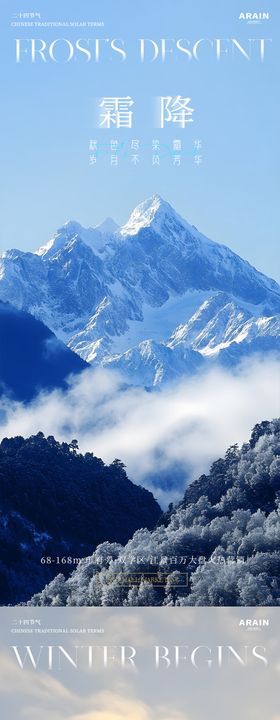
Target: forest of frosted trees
<point>225,535</point>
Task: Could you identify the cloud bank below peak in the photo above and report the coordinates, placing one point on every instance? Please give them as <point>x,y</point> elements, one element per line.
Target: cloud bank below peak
<point>167,438</point>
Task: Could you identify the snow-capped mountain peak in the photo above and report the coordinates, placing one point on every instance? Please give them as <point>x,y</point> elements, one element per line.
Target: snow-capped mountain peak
<point>69,230</point>
<point>107,227</point>
<point>152,213</point>
<point>71,227</point>
<point>96,238</point>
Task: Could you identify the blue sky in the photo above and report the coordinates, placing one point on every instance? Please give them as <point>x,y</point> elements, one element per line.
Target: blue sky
<point>48,119</point>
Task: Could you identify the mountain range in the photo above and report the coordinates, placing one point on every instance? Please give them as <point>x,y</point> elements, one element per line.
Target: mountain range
<point>154,298</point>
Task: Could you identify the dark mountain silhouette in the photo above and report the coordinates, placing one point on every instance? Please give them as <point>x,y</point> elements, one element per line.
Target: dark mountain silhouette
<point>31,356</point>
<point>55,502</point>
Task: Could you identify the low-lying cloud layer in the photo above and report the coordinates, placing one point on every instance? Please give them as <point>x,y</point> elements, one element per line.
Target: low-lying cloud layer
<point>186,425</point>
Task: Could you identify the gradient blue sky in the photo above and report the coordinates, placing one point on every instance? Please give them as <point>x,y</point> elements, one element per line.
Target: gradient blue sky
<point>47,120</point>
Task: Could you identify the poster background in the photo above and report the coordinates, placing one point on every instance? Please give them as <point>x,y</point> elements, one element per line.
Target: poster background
<point>47,120</point>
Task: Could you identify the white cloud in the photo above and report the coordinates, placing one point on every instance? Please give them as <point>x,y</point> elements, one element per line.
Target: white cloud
<point>112,706</point>
<point>108,705</point>
<point>42,687</point>
<point>189,423</point>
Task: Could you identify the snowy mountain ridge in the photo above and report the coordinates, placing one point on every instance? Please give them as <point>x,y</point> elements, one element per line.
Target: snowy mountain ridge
<point>154,298</point>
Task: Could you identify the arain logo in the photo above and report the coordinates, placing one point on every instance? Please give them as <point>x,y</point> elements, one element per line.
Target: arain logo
<point>254,17</point>
<point>250,623</point>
